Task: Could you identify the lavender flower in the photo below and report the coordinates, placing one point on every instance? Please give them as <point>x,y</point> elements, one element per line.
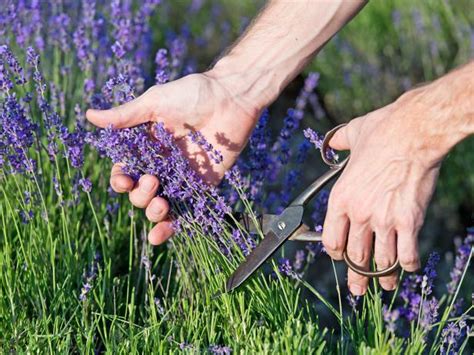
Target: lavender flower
<point>246,245</point>
<point>429,313</point>
<point>286,269</point>
<point>198,203</point>
<point>146,263</point>
<point>185,346</point>
<point>462,256</point>
<point>429,273</point>
<point>118,49</point>
<point>317,141</point>
<point>258,162</point>
<point>178,50</point>
<point>17,135</point>
<point>292,120</point>
<point>414,286</point>
<point>457,307</point>
<point>452,335</point>
<point>199,139</point>
<point>159,307</point>
<point>85,184</point>
<point>314,249</point>
<point>220,350</point>
<point>26,216</point>
<point>300,258</point>
<point>13,64</point>
<point>59,25</point>
<point>390,318</point>
<point>162,66</point>
<point>89,276</point>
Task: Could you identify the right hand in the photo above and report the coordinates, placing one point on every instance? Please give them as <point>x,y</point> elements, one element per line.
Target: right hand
<point>197,102</point>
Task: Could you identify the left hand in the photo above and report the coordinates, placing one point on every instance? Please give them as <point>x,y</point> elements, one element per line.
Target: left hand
<point>396,153</point>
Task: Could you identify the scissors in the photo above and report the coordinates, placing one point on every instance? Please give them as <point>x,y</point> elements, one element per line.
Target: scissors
<point>288,225</point>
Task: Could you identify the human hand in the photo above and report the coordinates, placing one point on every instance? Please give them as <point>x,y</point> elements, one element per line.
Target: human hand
<point>396,153</point>
<point>199,102</point>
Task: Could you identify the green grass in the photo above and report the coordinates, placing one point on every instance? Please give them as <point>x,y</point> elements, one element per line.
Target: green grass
<point>43,263</point>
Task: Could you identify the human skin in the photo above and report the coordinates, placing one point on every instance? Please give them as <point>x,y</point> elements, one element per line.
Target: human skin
<point>396,151</point>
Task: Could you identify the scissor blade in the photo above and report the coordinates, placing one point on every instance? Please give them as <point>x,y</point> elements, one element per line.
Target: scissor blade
<point>279,229</point>
<point>248,223</point>
<point>257,257</point>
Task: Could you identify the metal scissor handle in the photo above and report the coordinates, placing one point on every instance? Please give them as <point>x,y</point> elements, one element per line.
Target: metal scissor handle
<point>335,169</point>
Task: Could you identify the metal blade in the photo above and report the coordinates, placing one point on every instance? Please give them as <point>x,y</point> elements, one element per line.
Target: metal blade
<point>256,258</point>
<point>279,229</point>
<point>247,221</point>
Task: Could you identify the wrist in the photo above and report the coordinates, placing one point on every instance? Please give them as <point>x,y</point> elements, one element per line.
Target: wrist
<point>254,86</point>
<point>442,113</point>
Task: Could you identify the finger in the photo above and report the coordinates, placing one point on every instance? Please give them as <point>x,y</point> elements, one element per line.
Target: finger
<point>144,192</point>
<point>119,181</point>
<point>161,232</point>
<point>129,114</point>
<point>385,255</point>
<point>339,140</point>
<point>407,249</point>
<point>157,210</point>
<point>347,135</point>
<point>359,250</point>
<point>336,226</point>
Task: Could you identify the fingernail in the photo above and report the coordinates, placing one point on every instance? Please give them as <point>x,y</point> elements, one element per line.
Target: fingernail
<point>392,287</point>
<point>356,290</point>
<point>388,287</point>
<point>147,185</point>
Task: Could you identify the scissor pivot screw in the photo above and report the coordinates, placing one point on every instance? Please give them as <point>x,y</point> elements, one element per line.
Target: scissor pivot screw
<point>281,225</point>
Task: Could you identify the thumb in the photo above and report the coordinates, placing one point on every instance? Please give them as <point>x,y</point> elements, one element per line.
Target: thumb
<point>340,140</point>
<point>129,114</point>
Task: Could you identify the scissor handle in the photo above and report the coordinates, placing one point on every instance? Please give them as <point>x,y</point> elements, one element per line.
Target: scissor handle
<point>325,149</point>
<point>309,236</point>
<point>369,273</point>
<point>335,169</point>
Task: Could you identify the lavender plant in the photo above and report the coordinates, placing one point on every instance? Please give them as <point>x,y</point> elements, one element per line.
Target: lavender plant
<point>77,273</point>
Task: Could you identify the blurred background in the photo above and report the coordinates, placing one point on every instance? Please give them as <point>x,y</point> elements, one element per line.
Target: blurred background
<point>390,47</point>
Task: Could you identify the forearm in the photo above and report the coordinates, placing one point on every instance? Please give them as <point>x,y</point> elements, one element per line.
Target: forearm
<point>281,41</point>
<point>445,109</point>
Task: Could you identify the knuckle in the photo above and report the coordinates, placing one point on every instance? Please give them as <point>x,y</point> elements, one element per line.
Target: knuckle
<point>360,257</point>
<point>333,246</point>
<point>406,224</point>
<point>117,185</point>
<point>409,222</point>
<point>381,222</point>
<point>383,262</point>
<point>150,216</point>
<point>409,262</point>
<point>137,201</point>
<point>359,215</point>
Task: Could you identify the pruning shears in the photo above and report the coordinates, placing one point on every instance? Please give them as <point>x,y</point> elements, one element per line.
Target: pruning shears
<point>288,225</point>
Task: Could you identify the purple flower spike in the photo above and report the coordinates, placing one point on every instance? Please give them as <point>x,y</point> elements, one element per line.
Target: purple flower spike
<point>85,184</point>
<point>390,318</point>
<point>452,336</point>
<point>220,350</point>
<point>462,256</point>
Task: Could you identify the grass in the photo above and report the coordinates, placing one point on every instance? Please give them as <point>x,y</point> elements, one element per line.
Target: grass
<point>164,308</point>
